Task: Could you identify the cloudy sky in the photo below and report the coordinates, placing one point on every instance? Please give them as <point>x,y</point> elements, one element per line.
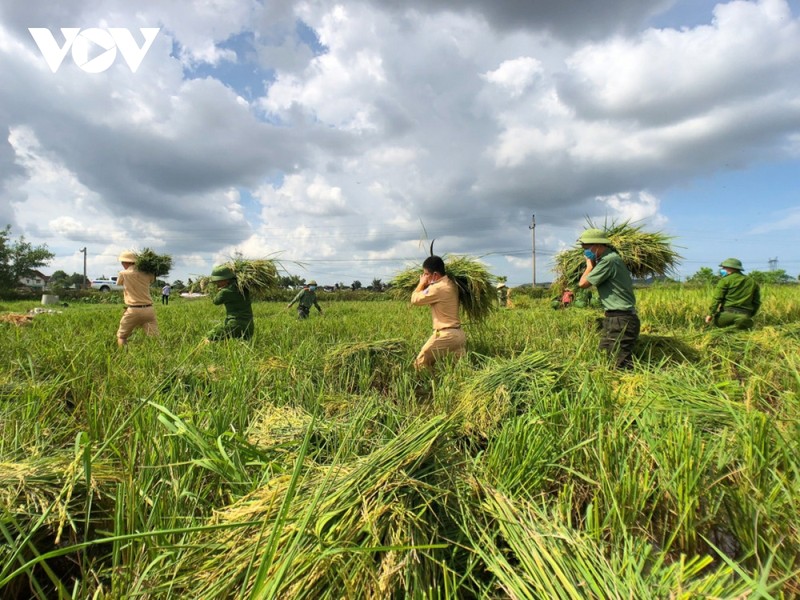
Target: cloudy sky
<point>345,135</point>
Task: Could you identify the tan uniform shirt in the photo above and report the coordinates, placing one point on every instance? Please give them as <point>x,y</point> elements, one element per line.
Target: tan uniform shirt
<point>137,286</point>
<point>442,297</point>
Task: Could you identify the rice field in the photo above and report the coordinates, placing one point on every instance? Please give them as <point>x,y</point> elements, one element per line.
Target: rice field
<point>313,462</point>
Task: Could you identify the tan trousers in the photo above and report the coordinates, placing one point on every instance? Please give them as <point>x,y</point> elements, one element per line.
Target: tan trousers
<point>446,341</point>
<point>137,317</point>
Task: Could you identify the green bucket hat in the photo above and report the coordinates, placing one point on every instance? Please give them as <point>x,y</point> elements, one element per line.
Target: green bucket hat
<point>732,263</point>
<point>221,272</point>
<point>594,236</point>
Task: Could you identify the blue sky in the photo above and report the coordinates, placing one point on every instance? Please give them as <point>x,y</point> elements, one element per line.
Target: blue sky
<point>342,136</point>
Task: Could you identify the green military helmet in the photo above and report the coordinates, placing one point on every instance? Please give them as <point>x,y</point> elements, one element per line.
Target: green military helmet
<point>221,273</point>
<point>594,236</point>
<point>732,263</point>
<point>312,282</point>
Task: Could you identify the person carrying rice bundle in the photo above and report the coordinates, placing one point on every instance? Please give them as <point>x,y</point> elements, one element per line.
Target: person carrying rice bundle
<point>139,311</point>
<point>502,294</point>
<point>305,299</point>
<point>238,321</point>
<point>737,297</point>
<point>607,272</point>
<point>437,290</point>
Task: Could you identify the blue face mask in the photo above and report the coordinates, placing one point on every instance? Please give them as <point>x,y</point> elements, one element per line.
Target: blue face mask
<point>590,255</point>
<point>722,272</point>
<point>312,287</point>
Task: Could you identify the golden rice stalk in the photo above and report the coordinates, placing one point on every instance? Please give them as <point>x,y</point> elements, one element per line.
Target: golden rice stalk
<point>493,393</point>
<point>276,425</point>
<point>148,261</point>
<point>644,253</point>
<point>477,291</point>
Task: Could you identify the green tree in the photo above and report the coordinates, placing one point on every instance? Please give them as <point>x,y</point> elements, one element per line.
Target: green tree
<point>356,285</point>
<point>705,276</point>
<point>377,285</point>
<point>18,259</point>
<point>291,281</point>
<point>178,285</point>
<point>58,279</point>
<point>776,276</point>
<point>75,280</point>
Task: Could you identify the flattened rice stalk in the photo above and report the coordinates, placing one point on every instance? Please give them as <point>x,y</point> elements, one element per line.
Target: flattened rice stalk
<point>644,253</point>
<point>477,292</point>
<point>148,261</point>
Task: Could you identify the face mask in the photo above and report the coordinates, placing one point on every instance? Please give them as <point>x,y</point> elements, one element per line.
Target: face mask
<point>312,287</point>
<point>590,255</point>
<point>722,272</point>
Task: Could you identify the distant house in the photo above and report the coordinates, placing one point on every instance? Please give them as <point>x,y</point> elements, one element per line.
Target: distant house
<point>35,280</point>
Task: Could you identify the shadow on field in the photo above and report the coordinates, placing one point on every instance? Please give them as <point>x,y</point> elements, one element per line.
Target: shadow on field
<point>662,349</point>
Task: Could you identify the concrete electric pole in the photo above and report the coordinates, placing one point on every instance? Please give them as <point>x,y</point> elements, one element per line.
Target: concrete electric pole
<point>83,283</point>
<point>532,227</point>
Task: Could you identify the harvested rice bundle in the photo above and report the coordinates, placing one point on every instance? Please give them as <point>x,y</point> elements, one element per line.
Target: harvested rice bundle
<point>148,261</point>
<point>303,537</point>
<point>644,253</point>
<point>361,365</point>
<point>493,393</point>
<point>259,276</point>
<point>477,292</point>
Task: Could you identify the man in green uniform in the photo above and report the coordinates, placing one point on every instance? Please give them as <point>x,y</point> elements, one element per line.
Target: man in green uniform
<point>238,307</point>
<point>606,271</point>
<point>737,297</point>
<point>305,299</point>
<point>437,290</point>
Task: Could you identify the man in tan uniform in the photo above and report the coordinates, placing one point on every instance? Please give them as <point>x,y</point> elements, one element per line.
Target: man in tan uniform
<point>437,290</point>
<point>139,311</point>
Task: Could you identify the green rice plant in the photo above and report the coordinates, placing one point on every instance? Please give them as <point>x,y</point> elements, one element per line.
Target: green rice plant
<point>531,555</point>
<point>644,253</point>
<point>477,291</point>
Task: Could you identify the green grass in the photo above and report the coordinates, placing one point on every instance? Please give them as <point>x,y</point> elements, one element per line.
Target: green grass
<point>313,461</point>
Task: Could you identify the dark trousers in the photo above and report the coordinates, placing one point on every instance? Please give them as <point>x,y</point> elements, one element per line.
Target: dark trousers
<point>302,312</point>
<point>618,338</point>
<point>164,299</point>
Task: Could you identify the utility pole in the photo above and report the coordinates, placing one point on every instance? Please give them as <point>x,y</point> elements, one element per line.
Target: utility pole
<point>83,283</point>
<point>532,227</point>
<point>773,264</point>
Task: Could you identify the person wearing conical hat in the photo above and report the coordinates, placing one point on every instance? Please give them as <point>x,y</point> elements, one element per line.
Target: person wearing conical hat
<point>502,294</point>
<point>305,299</point>
<point>737,297</point>
<point>607,272</point>
<point>238,321</point>
<point>139,311</point>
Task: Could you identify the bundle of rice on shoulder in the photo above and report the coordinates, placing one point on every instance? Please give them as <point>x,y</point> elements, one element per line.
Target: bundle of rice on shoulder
<point>644,253</point>
<point>477,291</point>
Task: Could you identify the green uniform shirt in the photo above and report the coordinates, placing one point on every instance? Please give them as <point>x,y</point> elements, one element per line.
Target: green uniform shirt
<point>306,299</point>
<point>736,291</point>
<point>237,305</point>
<point>613,282</point>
